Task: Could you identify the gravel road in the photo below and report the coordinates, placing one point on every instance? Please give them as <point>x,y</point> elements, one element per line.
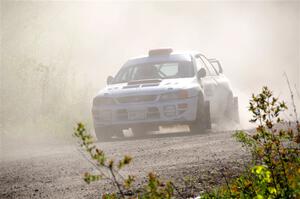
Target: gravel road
<point>56,171</point>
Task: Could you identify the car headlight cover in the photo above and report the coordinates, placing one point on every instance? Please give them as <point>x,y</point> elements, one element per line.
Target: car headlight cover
<point>102,101</point>
<point>181,94</point>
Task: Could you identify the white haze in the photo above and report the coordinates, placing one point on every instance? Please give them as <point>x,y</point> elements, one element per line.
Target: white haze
<point>55,56</point>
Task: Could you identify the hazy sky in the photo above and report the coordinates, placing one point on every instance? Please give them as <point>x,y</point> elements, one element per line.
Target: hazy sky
<point>55,56</point>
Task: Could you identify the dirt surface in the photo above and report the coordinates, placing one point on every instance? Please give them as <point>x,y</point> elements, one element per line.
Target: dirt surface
<point>56,171</point>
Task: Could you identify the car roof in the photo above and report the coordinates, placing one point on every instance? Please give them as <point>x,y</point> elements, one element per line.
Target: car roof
<point>174,56</point>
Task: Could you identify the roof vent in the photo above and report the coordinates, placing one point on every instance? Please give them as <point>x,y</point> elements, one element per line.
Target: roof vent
<point>160,51</point>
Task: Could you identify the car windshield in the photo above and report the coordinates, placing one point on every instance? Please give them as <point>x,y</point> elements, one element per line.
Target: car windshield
<point>158,70</point>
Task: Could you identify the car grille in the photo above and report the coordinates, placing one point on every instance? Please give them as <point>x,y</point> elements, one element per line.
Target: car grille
<point>138,98</point>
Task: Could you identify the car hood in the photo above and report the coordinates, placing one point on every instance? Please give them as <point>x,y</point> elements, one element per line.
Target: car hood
<point>146,87</point>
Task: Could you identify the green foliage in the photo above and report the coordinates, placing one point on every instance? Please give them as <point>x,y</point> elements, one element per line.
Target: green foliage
<point>107,169</point>
<point>245,139</point>
<point>275,170</point>
<point>156,189</point>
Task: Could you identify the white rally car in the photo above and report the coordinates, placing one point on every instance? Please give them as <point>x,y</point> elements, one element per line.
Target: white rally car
<point>164,88</point>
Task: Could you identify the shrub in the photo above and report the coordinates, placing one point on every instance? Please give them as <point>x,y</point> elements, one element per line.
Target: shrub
<point>275,170</point>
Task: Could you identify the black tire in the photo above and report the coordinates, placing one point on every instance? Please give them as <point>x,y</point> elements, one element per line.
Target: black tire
<point>106,133</point>
<point>203,120</point>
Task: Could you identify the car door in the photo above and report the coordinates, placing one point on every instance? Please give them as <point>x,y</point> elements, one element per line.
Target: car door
<point>223,95</point>
<point>209,84</point>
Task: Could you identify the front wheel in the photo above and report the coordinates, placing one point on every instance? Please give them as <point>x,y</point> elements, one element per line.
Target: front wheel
<point>203,120</point>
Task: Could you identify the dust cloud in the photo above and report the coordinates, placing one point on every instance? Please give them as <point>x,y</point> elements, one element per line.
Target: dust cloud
<point>55,56</point>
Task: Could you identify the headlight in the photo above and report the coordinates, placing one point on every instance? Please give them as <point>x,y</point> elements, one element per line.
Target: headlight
<point>182,94</point>
<point>102,101</point>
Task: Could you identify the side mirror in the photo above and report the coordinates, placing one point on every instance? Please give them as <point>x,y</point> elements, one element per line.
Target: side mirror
<point>201,73</point>
<point>109,80</point>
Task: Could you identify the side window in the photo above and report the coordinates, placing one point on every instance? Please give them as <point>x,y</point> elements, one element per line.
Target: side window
<point>200,64</point>
<point>210,68</point>
<point>216,65</point>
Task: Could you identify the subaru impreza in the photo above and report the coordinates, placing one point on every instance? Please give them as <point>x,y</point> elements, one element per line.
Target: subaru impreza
<point>164,88</point>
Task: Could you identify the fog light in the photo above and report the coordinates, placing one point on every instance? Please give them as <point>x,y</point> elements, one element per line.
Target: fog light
<point>170,110</point>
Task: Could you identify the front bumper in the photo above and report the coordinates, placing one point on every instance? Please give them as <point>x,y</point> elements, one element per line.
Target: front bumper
<point>158,112</point>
